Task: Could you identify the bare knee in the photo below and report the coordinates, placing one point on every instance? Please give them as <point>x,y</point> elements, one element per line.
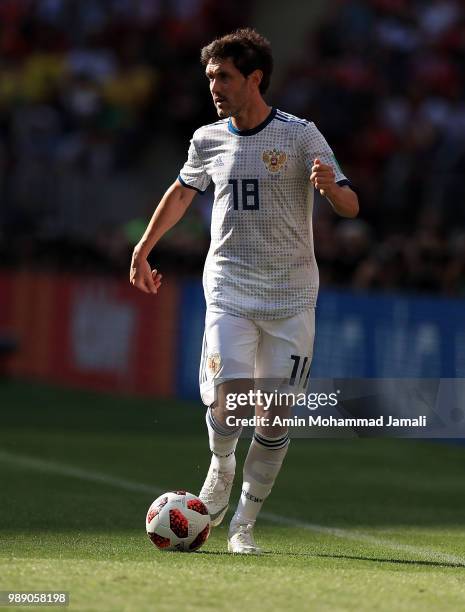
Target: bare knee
<point>226,403</point>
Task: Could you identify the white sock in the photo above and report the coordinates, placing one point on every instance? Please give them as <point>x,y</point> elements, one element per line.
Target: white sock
<point>261,467</point>
<point>223,442</point>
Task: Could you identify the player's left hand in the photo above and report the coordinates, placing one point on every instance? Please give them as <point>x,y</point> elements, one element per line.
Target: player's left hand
<point>322,177</point>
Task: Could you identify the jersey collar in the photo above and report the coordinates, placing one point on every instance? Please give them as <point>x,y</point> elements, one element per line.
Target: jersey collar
<point>254,130</point>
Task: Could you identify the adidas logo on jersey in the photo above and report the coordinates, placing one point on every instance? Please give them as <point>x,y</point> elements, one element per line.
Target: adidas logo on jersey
<point>218,162</point>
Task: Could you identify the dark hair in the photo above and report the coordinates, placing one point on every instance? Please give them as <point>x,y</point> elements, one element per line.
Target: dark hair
<point>247,49</point>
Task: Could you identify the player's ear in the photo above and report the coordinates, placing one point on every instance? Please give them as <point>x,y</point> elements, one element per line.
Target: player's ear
<point>256,76</point>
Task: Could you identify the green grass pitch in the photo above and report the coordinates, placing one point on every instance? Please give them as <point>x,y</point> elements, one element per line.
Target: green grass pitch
<point>351,524</point>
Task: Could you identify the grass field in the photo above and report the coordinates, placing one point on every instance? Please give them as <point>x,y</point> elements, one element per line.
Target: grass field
<point>351,525</point>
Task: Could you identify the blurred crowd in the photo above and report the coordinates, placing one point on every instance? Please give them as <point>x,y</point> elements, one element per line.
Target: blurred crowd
<point>385,82</point>
<point>89,87</point>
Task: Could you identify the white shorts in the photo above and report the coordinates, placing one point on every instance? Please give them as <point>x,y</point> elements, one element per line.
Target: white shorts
<point>235,347</point>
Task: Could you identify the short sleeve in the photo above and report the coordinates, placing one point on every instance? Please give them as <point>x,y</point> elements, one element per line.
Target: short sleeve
<point>311,144</point>
<point>193,173</point>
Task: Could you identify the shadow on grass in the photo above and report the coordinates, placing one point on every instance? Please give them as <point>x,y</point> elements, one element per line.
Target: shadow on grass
<point>391,560</point>
<point>337,556</point>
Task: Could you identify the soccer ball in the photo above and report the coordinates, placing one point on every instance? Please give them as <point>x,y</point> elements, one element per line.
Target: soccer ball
<point>178,520</point>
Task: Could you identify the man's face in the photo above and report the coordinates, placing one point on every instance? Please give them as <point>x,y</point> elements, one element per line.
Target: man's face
<point>230,89</point>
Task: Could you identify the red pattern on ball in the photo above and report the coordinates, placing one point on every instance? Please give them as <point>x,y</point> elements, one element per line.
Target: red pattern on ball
<point>198,506</point>
<point>154,511</point>
<point>178,523</point>
<point>159,541</point>
<point>200,539</point>
<point>163,502</point>
<point>151,514</point>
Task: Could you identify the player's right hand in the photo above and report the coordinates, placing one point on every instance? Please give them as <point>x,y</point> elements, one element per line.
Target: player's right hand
<point>142,277</point>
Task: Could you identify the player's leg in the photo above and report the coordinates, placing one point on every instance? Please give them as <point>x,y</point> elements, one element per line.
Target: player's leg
<point>283,344</point>
<point>223,438</point>
<point>227,364</point>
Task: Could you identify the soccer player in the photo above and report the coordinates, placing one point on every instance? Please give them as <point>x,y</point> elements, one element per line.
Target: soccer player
<point>260,278</point>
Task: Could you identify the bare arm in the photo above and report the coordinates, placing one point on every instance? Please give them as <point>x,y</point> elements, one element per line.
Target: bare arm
<point>171,208</point>
<point>342,198</point>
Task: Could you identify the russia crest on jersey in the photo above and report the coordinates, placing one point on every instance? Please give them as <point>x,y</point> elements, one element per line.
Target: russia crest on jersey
<point>274,160</point>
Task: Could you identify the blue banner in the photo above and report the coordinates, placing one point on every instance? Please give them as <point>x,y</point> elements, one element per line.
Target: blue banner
<point>357,336</point>
<point>388,336</point>
<point>189,341</point>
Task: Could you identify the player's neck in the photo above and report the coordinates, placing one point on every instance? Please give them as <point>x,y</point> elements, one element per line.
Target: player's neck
<point>252,115</point>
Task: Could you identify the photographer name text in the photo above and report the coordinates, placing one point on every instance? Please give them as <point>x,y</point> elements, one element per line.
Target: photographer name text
<point>320,421</point>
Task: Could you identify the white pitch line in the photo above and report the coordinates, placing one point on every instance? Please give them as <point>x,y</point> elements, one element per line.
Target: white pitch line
<point>347,534</point>
<point>51,467</point>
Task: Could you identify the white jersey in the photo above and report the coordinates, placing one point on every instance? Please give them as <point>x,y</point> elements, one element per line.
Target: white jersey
<point>261,263</point>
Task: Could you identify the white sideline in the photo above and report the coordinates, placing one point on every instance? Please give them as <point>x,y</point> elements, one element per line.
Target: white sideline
<point>348,534</point>
<point>51,467</point>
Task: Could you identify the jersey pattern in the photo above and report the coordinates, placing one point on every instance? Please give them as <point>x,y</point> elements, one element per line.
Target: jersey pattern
<point>261,262</point>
